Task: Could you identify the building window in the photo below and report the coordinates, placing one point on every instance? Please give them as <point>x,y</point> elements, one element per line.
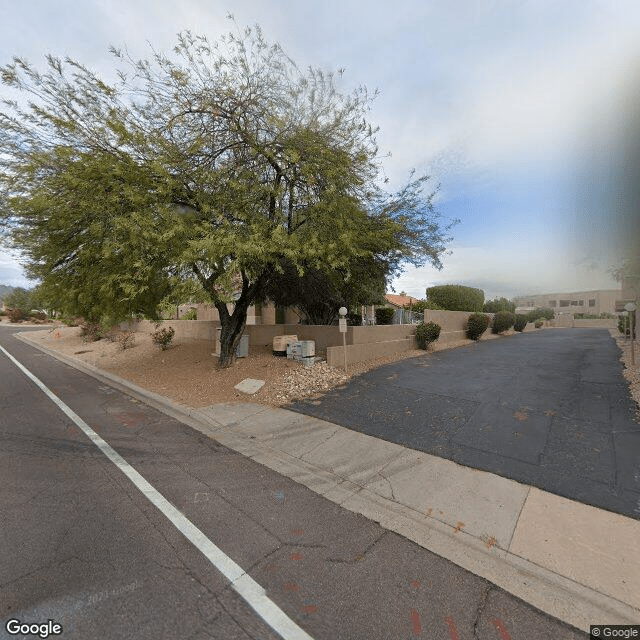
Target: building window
<point>592,303</point>
<point>552,303</point>
<point>565,303</point>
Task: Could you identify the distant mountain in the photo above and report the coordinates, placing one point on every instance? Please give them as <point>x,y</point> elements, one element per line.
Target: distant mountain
<point>5,289</point>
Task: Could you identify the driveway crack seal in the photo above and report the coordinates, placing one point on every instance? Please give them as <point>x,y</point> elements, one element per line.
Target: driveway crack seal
<point>360,556</point>
<point>480,610</point>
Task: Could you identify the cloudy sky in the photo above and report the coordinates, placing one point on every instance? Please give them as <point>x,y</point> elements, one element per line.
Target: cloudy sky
<point>521,110</point>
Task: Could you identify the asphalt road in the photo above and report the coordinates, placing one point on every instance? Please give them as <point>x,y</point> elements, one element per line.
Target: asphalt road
<point>550,409</point>
<point>82,546</point>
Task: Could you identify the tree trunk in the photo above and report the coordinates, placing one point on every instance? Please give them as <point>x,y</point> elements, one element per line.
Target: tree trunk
<point>232,328</point>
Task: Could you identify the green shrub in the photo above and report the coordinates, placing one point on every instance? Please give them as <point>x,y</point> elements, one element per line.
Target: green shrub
<point>456,297</point>
<point>91,331</point>
<point>499,304</point>
<point>163,337</point>
<point>623,326</point>
<point>354,319</point>
<point>384,315</point>
<point>539,323</point>
<point>546,313</point>
<point>192,314</point>
<point>476,325</point>
<point>520,323</point>
<point>427,333</point>
<point>502,321</point>
<point>15,315</point>
<point>421,305</point>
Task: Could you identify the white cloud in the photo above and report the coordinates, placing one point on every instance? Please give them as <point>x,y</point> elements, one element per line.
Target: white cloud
<point>509,272</point>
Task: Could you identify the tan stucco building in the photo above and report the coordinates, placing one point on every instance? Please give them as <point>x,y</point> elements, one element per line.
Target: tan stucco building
<point>595,302</point>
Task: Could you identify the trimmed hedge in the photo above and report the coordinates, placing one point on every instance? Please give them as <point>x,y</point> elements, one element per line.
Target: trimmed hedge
<point>384,315</point>
<point>476,325</point>
<point>427,333</point>
<point>520,323</point>
<point>502,321</point>
<point>456,297</point>
<point>354,319</point>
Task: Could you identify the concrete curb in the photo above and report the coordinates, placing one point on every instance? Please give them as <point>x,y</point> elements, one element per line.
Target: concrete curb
<point>262,434</point>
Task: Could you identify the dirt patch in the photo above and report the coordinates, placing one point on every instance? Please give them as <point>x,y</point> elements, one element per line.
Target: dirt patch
<point>186,372</point>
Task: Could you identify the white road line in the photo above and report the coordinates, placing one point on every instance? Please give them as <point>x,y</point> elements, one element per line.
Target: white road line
<point>241,581</point>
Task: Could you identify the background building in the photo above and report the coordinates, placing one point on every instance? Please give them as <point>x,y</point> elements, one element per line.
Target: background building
<point>589,302</point>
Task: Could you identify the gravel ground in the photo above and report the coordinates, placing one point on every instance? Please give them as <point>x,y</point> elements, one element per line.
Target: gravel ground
<point>186,371</point>
<point>631,373</point>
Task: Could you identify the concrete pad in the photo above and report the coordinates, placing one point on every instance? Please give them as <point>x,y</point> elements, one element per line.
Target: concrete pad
<point>550,592</point>
<point>301,437</point>
<point>249,386</point>
<point>354,456</point>
<point>482,504</point>
<point>231,412</point>
<point>596,548</point>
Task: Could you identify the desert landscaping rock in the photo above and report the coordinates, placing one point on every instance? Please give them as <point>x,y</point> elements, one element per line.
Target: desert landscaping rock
<point>186,372</point>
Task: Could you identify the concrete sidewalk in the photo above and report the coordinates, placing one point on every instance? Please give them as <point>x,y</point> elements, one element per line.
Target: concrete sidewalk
<point>576,562</point>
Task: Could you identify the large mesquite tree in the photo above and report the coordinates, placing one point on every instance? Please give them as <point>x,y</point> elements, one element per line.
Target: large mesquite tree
<point>222,162</point>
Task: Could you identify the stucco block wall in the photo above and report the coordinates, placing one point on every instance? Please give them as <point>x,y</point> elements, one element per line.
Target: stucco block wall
<point>361,352</point>
<point>450,320</point>
<point>184,329</point>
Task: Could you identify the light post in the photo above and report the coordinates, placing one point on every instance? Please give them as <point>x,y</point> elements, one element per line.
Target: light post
<point>630,307</point>
<point>342,324</point>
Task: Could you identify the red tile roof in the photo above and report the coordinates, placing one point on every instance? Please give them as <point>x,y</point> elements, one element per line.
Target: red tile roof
<point>400,301</point>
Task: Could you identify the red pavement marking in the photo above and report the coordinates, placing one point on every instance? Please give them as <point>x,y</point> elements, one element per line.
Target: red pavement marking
<point>310,608</point>
<point>499,625</point>
<point>453,632</point>
<point>297,532</point>
<point>295,556</point>
<point>415,583</point>
<point>415,620</point>
<point>291,586</point>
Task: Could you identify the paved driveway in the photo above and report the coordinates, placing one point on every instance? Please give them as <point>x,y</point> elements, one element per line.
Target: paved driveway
<point>550,409</point>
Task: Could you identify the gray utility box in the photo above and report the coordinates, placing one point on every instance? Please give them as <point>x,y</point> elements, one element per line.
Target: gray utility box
<point>242,350</point>
<point>301,349</point>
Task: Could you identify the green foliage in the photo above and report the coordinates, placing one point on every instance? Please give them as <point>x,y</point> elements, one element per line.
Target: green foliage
<point>477,324</point>
<point>427,333</point>
<point>192,314</point>
<point>19,298</point>
<point>624,325</point>
<point>222,163</point>
<point>421,305</point>
<point>520,322</point>
<point>502,321</point>
<point>541,312</point>
<point>354,319</point>
<point>539,323</point>
<point>499,304</point>
<point>320,292</point>
<point>384,315</point>
<point>163,337</point>
<point>456,297</point>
